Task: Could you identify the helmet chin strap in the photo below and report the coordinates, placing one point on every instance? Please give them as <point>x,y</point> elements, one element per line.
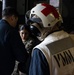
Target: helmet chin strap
<point>44,34</point>
<point>46,31</point>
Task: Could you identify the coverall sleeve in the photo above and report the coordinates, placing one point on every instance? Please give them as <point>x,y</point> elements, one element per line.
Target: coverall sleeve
<point>38,65</point>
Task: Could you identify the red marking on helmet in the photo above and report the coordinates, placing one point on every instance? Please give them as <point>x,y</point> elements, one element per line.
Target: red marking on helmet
<point>49,9</point>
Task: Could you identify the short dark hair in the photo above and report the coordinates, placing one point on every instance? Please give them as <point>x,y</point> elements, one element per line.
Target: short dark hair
<point>22,27</point>
<point>9,11</point>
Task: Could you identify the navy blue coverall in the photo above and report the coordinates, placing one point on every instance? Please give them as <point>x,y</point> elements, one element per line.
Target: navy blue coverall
<point>11,48</point>
<point>39,64</point>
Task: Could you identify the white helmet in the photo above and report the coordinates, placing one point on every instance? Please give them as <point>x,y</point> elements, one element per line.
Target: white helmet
<point>47,13</point>
<point>46,17</point>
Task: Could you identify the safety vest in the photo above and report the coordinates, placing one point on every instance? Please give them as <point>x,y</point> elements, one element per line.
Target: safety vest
<point>58,49</point>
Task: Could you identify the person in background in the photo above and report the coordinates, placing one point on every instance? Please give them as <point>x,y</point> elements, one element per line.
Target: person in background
<point>28,39</point>
<point>29,42</point>
<point>55,54</point>
<point>25,36</point>
<point>11,46</point>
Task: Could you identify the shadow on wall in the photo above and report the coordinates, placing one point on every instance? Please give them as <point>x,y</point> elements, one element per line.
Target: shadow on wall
<point>68,15</point>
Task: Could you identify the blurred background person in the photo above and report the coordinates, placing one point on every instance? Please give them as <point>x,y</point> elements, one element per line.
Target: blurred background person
<point>29,42</point>
<point>28,39</point>
<point>11,46</point>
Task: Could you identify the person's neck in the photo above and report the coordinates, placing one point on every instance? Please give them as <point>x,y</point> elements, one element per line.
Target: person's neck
<point>8,20</point>
<point>55,28</point>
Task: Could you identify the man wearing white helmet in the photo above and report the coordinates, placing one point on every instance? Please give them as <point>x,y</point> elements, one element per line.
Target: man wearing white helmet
<point>55,54</point>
